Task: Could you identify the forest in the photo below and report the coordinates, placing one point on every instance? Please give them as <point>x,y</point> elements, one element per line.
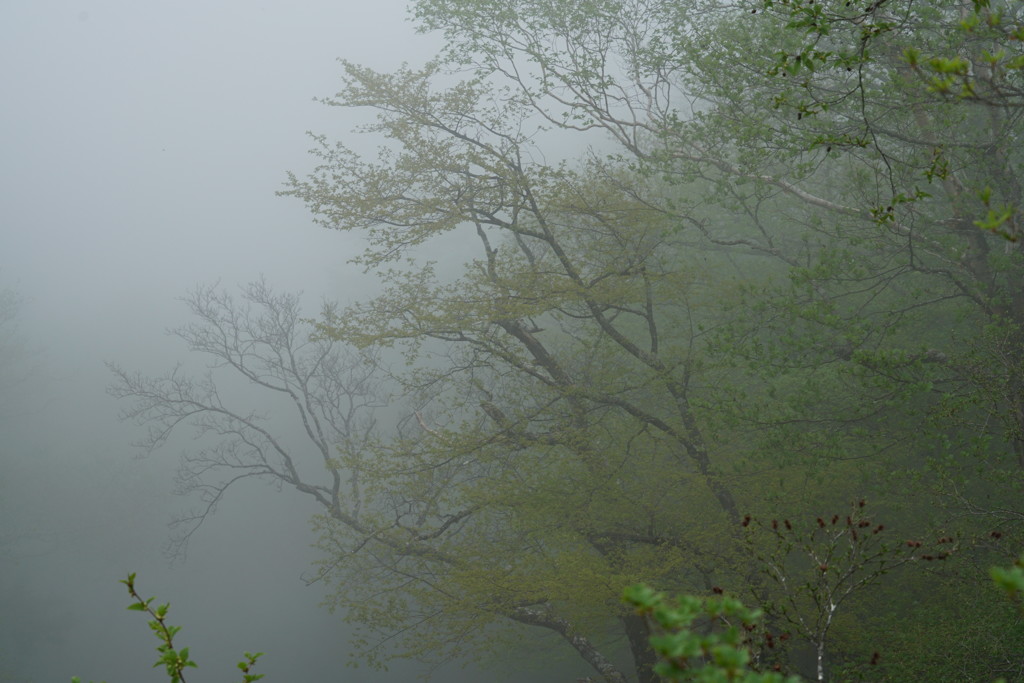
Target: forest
<point>720,299</point>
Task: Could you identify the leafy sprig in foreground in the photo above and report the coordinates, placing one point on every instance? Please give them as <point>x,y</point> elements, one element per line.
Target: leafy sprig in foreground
<point>175,661</point>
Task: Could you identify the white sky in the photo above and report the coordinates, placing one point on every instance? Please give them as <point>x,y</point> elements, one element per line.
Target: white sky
<point>141,143</point>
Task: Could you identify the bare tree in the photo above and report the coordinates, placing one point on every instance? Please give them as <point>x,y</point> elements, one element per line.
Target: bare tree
<point>330,390</point>
<point>354,470</point>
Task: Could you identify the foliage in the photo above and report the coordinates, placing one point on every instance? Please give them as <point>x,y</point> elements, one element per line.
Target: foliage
<point>724,649</point>
<point>837,35</point>
<point>1010,579</point>
<point>709,655</point>
<point>951,52</point>
<point>175,661</point>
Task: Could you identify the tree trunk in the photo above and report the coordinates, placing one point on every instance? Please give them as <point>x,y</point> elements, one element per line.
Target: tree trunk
<point>638,631</point>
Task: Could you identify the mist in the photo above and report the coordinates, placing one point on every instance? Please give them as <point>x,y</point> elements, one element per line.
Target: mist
<point>141,145</point>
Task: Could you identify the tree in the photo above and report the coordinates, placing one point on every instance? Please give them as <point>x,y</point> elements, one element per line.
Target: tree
<point>910,190</point>
<point>814,575</point>
<point>332,394</point>
<point>821,149</point>
<point>765,292</point>
<point>574,344</point>
<point>859,327</point>
<point>726,652</point>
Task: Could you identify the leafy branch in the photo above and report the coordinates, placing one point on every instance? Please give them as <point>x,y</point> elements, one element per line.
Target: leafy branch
<point>1010,579</point>
<point>707,655</point>
<point>175,661</point>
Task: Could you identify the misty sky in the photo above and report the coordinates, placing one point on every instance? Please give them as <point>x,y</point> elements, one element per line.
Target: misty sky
<point>141,143</point>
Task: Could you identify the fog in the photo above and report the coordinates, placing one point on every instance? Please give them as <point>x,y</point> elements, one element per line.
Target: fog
<point>141,145</point>
<point>647,312</point>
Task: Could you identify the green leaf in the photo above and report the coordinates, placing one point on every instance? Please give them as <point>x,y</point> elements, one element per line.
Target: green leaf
<point>1010,579</point>
<point>1015,63</point>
